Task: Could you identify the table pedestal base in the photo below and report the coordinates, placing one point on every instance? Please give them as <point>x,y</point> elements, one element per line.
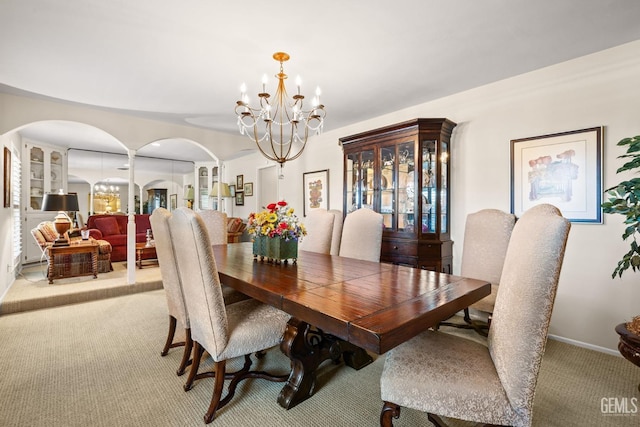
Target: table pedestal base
<point>307,348</point>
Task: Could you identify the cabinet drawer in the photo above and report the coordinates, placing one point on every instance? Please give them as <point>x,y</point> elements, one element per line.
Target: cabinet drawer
<point>394,248</point>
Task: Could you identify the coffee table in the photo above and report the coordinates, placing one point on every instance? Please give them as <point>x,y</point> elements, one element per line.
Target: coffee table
<point>141,250</point>
<point>80,247</point>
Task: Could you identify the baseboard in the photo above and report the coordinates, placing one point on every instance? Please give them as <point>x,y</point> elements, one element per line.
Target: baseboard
<point>586,345</point>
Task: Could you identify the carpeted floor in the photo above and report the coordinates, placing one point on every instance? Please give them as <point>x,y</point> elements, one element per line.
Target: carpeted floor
<point>98,364</point>
<point>32,291</point>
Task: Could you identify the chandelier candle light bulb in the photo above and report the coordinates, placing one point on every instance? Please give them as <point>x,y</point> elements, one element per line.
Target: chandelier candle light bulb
<point>280,128</point>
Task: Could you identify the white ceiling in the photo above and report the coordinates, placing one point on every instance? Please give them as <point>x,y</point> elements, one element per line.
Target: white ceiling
<point>184,61</point>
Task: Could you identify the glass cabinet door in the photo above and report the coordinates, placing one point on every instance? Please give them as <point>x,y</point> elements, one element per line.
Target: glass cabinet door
<point>435,187</point>
<point>56,171</point>
<point>406,187</point>
<point>428,184</point>
<point>36,169</point>
<point>388,186</point>
<point>203,188</point>
<point>359,180</point>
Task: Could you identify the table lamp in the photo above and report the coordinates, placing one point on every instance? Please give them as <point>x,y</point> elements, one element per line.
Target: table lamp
<point>189,195</point>
<point>225,192</point>
<point>62,203</point>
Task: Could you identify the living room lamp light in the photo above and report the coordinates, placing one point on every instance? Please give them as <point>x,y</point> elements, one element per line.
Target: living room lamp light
<point>225,191</point>
<point>284,122</point>
<point>62,203</point>
<point>189,195</point>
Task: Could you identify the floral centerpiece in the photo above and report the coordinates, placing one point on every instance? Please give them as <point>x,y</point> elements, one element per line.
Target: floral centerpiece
<point>276,232</point>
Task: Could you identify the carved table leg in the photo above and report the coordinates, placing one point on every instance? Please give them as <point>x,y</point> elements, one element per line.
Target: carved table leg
<point>51,268</point>
<point>94,263</point>
<point>307,348</point>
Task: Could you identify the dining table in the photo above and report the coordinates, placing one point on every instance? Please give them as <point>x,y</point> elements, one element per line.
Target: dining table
<point>343,308</point>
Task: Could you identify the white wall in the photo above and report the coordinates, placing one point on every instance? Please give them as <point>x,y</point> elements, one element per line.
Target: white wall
<point>597,90</point>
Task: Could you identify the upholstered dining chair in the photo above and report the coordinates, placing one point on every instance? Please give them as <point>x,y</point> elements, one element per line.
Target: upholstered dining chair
<point>336,236</point>
<point>225,332</point>
<point>216,223</point>
<point>319,225</point>
<point>486,238</point>
<point>172,286</point>
<point>495,384</point>
<point>362,235</point>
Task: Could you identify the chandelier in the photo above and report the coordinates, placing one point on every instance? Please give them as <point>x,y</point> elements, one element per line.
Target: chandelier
<point>279,128</point>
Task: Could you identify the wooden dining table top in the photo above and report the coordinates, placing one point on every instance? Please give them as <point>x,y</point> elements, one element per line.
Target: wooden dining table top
<point>375,306</point>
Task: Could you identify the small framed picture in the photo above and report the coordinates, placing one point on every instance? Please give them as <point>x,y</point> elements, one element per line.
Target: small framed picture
<point>239,198</point>
<point>232,190</point>
<point>248,189</point>
<point>239,182</point>
<point>315,187</point>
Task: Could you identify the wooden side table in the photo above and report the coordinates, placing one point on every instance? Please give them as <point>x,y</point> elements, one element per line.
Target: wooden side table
<point>141,249</point>
<point>82,247</point>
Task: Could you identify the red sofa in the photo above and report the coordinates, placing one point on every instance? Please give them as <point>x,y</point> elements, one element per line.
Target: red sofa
<point>113,229</point>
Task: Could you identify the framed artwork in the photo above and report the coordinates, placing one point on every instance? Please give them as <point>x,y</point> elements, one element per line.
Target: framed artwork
<point>562,169</point>
<point>239,182</point>
<point>7,178</point>
<point>239,198</point>
<point>232,190</point>
<point>315,187</point>
<point>173,202</point>
<point>248,189</point>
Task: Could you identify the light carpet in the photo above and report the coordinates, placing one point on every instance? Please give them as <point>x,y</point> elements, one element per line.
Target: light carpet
<point>32,291</point>
<point>98,364</point>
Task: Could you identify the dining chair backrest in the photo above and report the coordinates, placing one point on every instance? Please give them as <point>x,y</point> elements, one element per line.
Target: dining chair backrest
<point>200,281</point>
<point>362,235</point>
<point>337,231</point>
<point>486,238</point>
<point>523,307</point>
<point>168,267</point>
<point>319,226</point>
<point>216,224</point>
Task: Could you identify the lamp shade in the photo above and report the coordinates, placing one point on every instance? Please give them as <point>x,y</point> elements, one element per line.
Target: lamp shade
<point>224,190</point>
<point>189,193</point>
<point>60,202</point>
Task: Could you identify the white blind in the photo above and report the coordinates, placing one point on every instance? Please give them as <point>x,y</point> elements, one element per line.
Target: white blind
<point>16,191</point>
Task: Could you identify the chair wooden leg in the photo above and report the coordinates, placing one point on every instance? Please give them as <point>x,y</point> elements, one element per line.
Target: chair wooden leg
<point>188,345</point>
<point>195,364</point>
<point>389,411</point>
<point>172,331</point>
<point>219,370</point>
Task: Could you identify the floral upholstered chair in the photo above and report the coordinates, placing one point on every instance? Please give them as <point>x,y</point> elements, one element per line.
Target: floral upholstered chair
<point>45,234</point>
<point>446,375</point>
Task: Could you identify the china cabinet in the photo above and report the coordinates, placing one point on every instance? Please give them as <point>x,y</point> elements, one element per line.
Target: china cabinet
<point>44,170</point>
<point>206,177</point>
<point>156,198</point>
<point>402,171</point>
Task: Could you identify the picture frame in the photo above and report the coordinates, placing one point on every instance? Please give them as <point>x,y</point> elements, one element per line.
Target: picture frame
<point>232,190</point>
<point>248,189</point>
<point>239,182</point>
<point>562,169</point>
<point>315,188</point>
<point>239,198</point>
<point>173,202</point>
<point>7,178</point>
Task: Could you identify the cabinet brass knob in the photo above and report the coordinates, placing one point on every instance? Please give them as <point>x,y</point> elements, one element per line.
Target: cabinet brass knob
<point>395,247</point>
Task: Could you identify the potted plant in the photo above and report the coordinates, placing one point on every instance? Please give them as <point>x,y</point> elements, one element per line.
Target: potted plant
<point>624,199</point>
